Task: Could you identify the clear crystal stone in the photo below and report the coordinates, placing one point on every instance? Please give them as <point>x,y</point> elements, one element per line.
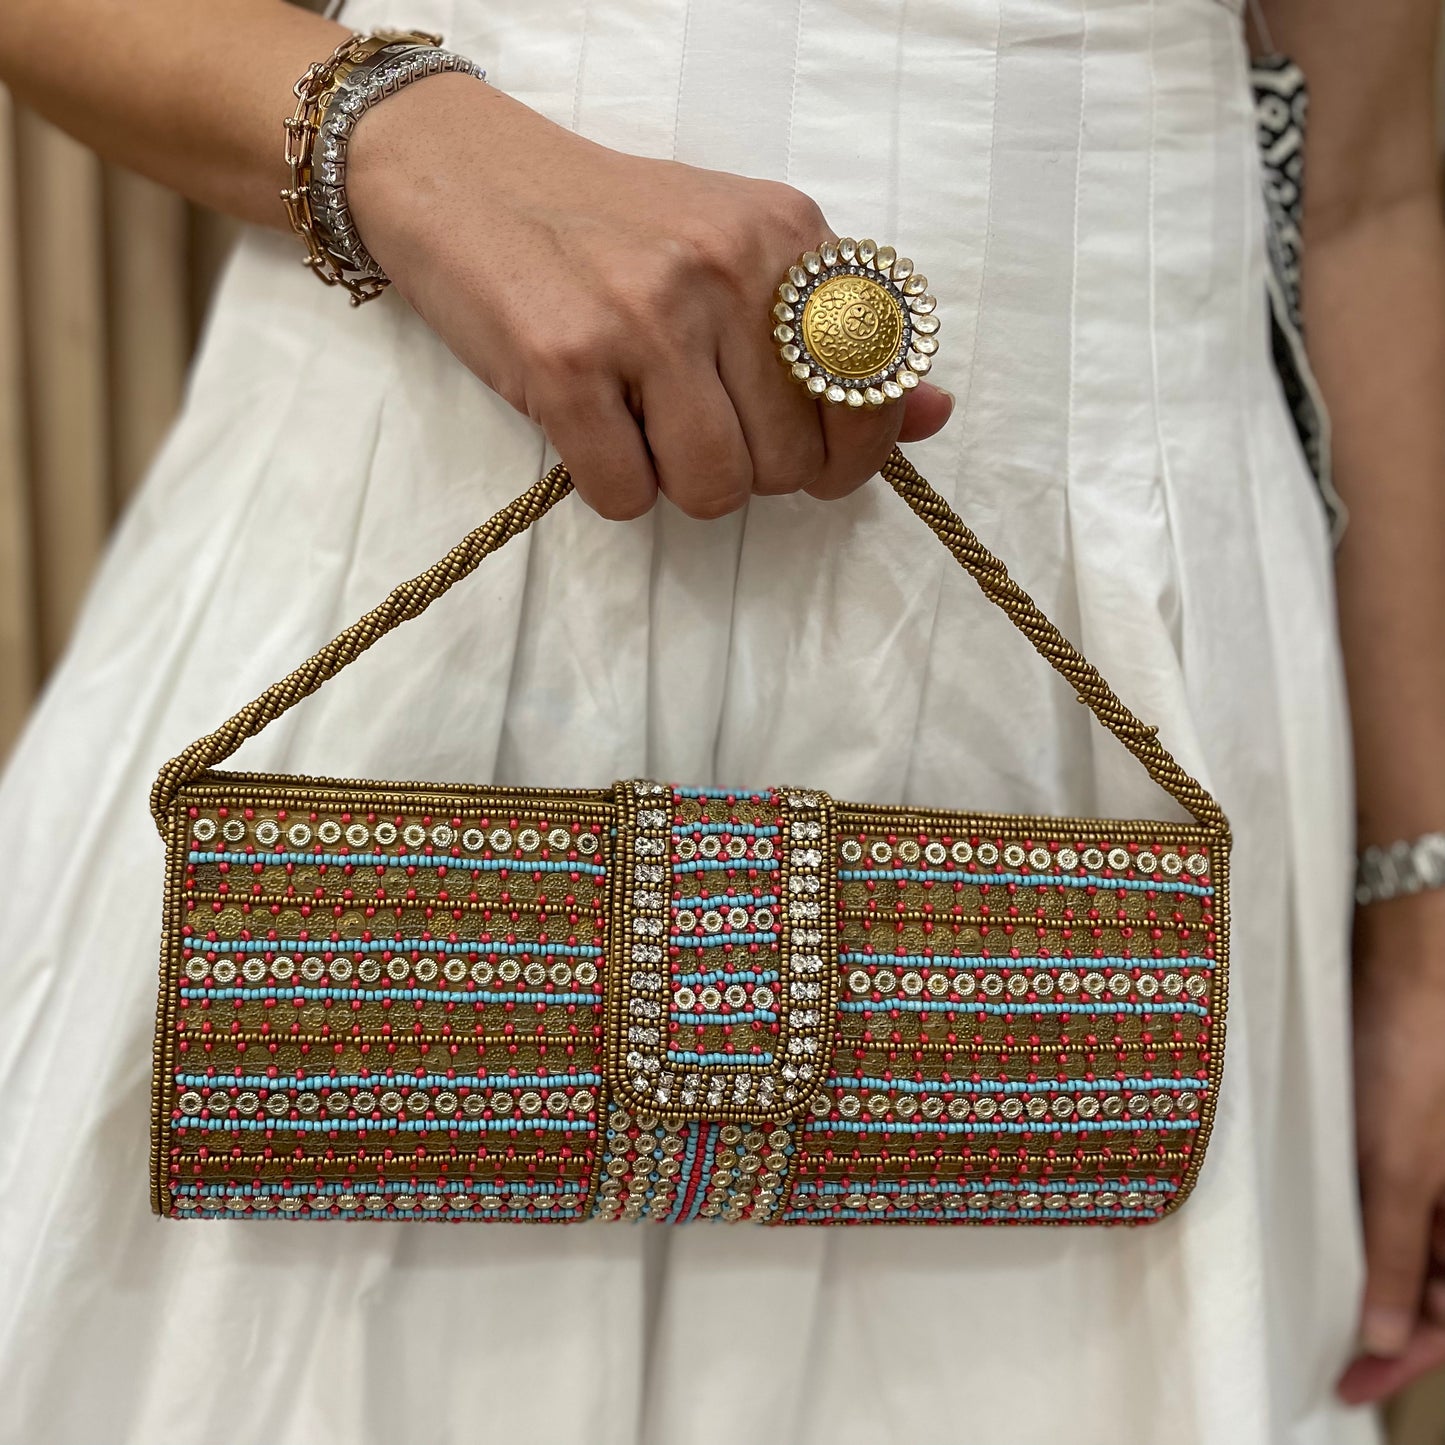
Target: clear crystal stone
<point>892,390</point>
<point>835,393</point>
<point>790,353</point>
<point>873,396</point>
<point>907,380</point>
<point>902,269</point>
<point>928,345</point>
<point>855,397</point>
<point>916,284</point>
<point>797,276</point>
<point>829,252</point>
<point>817,385</point>
<point>813,262</point>
<point>784,312</point>
<point>783,333</point>
<point>867,250</point>
<point>922,305</point>
<point>801,370</point>
<point>925,325</point>
<point>847,248</point>
<point>886,257</point>
<point>919,362</point>
<point>788,292</point>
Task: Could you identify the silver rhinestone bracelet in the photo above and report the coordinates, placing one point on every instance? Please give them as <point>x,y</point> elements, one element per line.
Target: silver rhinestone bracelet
<point>389,71</point>
<point>1401,868</point>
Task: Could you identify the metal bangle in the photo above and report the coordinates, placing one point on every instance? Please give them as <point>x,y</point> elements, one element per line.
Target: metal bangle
<point>389,71</point>
<point>361,71</point>
<point>1400,868</point>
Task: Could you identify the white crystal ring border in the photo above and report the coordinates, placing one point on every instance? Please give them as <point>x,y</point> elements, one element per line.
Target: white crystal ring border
<point>882,265</point>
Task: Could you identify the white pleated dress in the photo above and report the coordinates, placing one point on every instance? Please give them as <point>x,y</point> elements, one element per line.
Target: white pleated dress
<point>1079,180</point>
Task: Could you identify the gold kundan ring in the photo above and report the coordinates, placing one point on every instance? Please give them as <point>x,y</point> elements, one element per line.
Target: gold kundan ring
<point>855,323</point>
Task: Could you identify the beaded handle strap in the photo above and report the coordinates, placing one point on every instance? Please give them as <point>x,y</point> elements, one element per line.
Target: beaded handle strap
<point>412,598</point>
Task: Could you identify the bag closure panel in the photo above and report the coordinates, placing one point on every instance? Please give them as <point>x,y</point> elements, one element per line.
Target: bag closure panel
<point>723,970</point>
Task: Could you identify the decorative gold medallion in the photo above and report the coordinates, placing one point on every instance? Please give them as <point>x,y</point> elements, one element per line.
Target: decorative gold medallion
<point>855,323</point>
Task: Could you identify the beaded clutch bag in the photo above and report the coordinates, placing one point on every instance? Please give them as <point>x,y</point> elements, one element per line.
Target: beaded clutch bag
<point>428,1001</point>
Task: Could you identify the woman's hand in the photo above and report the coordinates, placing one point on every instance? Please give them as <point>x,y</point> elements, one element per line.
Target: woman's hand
<point>1400,1093</point>
<point>621,303</point>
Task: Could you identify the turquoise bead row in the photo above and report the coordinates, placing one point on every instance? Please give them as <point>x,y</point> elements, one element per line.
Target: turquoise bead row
<point>1024,880</point>
<point>999,1086</point>
<point>400,860</point>
<point>375,995</point>
<point>925,1005</point>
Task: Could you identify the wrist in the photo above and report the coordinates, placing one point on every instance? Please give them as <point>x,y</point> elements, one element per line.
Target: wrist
<point>402,151</point>
<point>332,98</point>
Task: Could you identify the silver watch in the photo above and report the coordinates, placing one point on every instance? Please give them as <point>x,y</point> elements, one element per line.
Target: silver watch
<point>1400,868</point>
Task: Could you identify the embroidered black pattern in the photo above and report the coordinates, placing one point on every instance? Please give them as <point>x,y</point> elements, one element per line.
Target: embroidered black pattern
<point>1281,100</point>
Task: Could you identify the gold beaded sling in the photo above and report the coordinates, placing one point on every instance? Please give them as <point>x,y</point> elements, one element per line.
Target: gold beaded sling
<point>451,1002</point>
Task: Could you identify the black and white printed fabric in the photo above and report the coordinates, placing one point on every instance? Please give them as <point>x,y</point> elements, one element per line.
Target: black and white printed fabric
<point>1281,99</point>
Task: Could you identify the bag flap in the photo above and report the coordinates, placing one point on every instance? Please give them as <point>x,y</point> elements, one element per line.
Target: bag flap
<point>721,999</point>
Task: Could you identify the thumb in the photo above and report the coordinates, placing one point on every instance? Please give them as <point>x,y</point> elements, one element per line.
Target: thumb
<point>1397,1229</point>
<point>926,409</point>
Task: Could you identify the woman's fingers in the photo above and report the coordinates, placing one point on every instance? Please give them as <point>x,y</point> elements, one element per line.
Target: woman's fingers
<point>1371,1379</point>
<point>1397,1219</point>
<point>780,421</point>
<point>1404,1234</point>
<point>697,444</point>
<point>927,409</point>
<point>598,438</point>
<point>858,440</point>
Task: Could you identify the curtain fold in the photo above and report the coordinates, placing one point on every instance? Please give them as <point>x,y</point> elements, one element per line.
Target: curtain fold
<point>103,279</point>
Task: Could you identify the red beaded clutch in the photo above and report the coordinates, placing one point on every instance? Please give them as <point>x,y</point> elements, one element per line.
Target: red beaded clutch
<point>418,1001</point>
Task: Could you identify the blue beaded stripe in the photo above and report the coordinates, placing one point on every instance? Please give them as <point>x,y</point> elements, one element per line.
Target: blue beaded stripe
<point>735,793</point>
<point>907,1186</point>
<point>383,1081</point>
<point>1027,880</point>
<point>400,860</point>
<point>386,945</point>
<point>729,900</point>
<point>998,1086</point>
<point>385,1126</point>
<point>373,1186</point>
<point>960,962</point>
<point>751,1060</point>
<point>920,1005</point>
<point>826,1216</point>
<point>377,995</point>
<point>717,940</point>
<point>731,975</point>
<point>756,1015</point>
<point>844,1126</point>
<point>703,865</point>
<point>755,830</point>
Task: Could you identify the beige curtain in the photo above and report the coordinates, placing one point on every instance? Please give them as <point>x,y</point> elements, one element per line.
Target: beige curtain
<point>103,282</point>
<point>103,277</point>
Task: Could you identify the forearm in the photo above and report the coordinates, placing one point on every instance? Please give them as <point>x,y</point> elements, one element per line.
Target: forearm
<point>1375,315</point>
<point>192,95</point>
